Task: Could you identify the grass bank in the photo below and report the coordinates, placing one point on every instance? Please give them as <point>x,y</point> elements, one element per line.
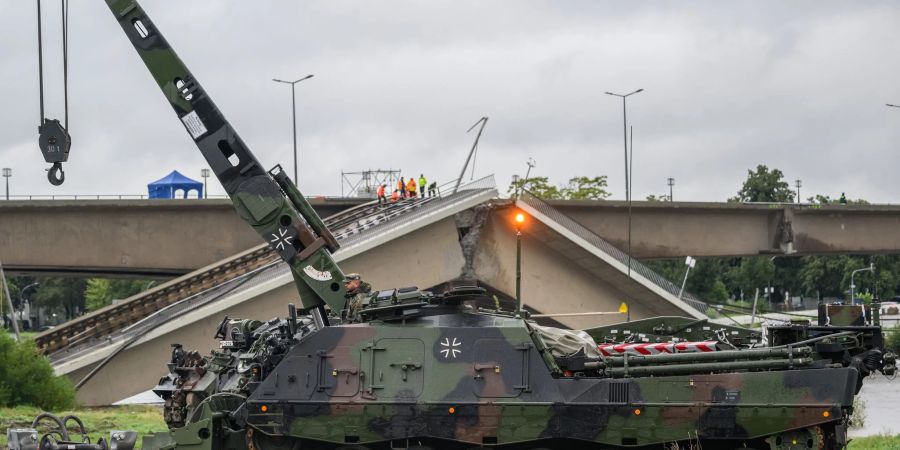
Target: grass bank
<point>145,419</point>
<point>98,421</point>
<point>875,443</point>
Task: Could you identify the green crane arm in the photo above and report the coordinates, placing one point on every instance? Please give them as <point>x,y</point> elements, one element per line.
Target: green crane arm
<point>268,201</point>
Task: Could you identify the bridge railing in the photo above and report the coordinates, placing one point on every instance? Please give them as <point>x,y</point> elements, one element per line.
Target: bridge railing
<point>132,197</point>
<point>611,250</point>
<point>429,205</point>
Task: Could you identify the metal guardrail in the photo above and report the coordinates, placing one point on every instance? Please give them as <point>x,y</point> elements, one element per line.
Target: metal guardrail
<point>426,206</point>
<point>588,235</point>
<point>134,197</point>
<point>370,214</point>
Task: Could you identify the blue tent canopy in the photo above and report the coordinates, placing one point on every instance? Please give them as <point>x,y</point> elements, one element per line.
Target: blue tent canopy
<point>167,186</point>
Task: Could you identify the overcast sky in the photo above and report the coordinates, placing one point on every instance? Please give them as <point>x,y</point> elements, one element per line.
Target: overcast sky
<point>728,85</point>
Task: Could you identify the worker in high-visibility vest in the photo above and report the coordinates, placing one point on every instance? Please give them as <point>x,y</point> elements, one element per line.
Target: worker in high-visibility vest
<point>380,193</point>
<point>422,183</point>
<point>411,188</point>
<point>395,196</point>
<point>401,186</point>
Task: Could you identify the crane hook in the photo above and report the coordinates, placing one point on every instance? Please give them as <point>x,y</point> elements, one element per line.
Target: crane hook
<point>55,174</point>
<point>55,142</point>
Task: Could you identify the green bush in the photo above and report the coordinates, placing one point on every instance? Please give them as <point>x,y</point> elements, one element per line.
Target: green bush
<point>892,338</point>
<point>26,378</point>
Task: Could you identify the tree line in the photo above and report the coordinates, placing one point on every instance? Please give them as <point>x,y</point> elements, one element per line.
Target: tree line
<point>69,297</point>
<point>718,279</point>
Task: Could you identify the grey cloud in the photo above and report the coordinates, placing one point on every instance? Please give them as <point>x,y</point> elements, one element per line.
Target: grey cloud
<point>729,85</point>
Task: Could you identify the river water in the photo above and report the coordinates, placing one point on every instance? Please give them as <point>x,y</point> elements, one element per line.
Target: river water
<point>882,398</point>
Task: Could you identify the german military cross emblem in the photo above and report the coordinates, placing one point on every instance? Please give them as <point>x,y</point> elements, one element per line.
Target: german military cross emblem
<point>281,239</point>
<point>450,350</point>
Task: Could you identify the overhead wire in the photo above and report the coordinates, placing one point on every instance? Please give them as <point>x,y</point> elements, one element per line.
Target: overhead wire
<point>54,138</point>
<point>40,60</point>
<point>64,17</point>
<point>64,7</point>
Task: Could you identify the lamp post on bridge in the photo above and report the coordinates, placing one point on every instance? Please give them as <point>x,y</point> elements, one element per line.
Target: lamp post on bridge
<point>205,174</point>
<point>671,183</point>
<point>799,183</point>
<point>294,107</point>
<point>516,179</point>
<point>7,172</point>
<point>628,168</point>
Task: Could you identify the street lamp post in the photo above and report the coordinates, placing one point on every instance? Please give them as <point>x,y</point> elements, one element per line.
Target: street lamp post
<point>624,97</point>
<point>531,165</point>
<point>671,182</point>
<point>23,299</point>
<point>7,172</point>
<point>799,183</point>
<point>689,262</point>
<point>871,268</point>
<point>768,291</point>
<point>520,219</point>
<point>205,174</point>
<point>294,107</point>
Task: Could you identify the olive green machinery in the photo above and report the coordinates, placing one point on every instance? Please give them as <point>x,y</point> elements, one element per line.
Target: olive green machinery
<point>415,369</point>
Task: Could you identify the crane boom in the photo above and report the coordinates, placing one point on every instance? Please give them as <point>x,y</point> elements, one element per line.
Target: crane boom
<point>267,200</point>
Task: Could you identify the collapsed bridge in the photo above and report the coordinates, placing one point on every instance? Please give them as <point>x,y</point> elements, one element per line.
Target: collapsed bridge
<point>566,269</point>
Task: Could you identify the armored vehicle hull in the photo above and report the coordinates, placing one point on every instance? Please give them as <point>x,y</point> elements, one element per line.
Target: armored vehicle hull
<point>428,372</point>
<point>463,380</point>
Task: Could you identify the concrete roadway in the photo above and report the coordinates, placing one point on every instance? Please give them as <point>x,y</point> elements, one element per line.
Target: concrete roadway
<point>137,238</point>
<point>163,238</point>
<point>669,230</point>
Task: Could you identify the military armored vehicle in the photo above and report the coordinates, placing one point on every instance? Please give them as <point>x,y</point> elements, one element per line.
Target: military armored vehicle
<point>404,368</point>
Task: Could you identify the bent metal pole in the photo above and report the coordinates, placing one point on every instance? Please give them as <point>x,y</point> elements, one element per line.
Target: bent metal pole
<point>12,310</point>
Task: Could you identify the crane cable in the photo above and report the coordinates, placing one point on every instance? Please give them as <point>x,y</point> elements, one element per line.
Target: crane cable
<point>53,137</point>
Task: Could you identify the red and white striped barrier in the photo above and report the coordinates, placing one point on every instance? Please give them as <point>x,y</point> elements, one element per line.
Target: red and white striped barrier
<point>657,348</point>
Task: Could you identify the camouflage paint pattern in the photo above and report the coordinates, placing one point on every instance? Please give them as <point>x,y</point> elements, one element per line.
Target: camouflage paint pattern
<point>479,379</point>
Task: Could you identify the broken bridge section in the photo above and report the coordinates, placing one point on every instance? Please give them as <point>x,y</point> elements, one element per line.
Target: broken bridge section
<point>638,284</point>
<point>707,229</point>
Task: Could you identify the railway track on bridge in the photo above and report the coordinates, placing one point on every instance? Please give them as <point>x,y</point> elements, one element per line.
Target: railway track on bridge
<point>132,310</point>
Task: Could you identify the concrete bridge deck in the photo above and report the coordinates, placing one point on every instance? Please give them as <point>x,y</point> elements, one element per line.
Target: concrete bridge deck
<point>678,229</point>
<point>137,238</point>
<point>164,238</point>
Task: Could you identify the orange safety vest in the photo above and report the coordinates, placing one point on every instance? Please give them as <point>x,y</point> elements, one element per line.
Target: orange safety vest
<point>395,196</point>
<point>380,191</point>
<point>411,185</point>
